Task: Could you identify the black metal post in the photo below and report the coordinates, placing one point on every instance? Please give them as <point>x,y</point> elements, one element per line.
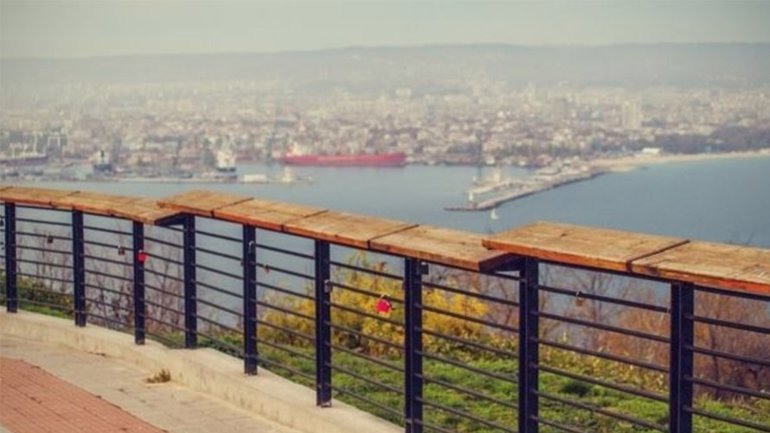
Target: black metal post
<point>528,347</point>
<point>11,289</point>
<point>413,272</point>
<point>323,335</point>
<point>190,301</point>
<point>249,300</point>
<point>79,268</point>
<point>681,358</point>
<point>139,306</point>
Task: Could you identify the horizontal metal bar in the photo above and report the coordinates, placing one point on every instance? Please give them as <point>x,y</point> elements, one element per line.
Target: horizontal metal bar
<point>597,409</point>
<point>365,314</point>
<point>218,253</point>
<point>510,405</point>
<point>105,304</point>
<point>368,401</point>
<point>604,327</point>
<point>500,352</point>
<point>603,355</point>
<point>286,330</point>
<point>602,298</point>
<point>729,420</point>
<point>106,260</point>
<point>351,331</point>
<point>731,356</point>
<point>162,275</point>
<point>46,222</point>
<point>429,309</point>
<point>108,275</point>
<point>217,271</point>
<point>64,308</point>
<point>123,325</point>
<point>167,260</point>
<point>285,251</point>
<point>734,293</point>
<point>106,230</point>
<point>368,358</point>
<point>466,366</point>
<point>477,295</point>
<point>164,307</point>
<point>363,292</point>
<point>235,349</point>
<point>557,426</point>
<point>221,325</point>
<point>285,310</point>
<point>366,270</point>
<point>163,322</point>
<point>217,236</point>
<point>37,262</point>
<point>433,427</point>
<point>104,289</point>
<point>164,242</point>
<point>363,378</point>
<point>22,247</point>
<point>465,415</point>
<point>164,291</point>
<point>218,289</point>
<point>732,325</point>
<point>284,291</point>
<point>47,278</point>
<point>616,387</point>
<point>111,246</point>
<point>282,365</point>
<point>43,235</point>
<point>725,387</point>
<point>218,307</point>
<point>287,350</point>
<point>271,268</point>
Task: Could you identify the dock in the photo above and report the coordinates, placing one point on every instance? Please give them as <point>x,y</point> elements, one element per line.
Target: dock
<point>527,188</point>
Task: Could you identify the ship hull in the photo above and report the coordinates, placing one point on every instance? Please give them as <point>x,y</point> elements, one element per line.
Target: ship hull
<point>353,160</point>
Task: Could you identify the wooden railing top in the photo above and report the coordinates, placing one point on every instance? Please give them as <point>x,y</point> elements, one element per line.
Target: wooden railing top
<point>136,209</point>
<point>708,264</point>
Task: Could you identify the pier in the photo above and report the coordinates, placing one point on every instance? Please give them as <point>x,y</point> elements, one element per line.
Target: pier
<point>517,190</point>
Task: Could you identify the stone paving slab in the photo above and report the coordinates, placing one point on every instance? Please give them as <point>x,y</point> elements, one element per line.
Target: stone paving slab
<point>107,385</point>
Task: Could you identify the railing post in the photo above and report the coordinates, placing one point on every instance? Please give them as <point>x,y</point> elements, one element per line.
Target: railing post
<point>681,358</point>
<point>528,346</point>
<point>413,272</point>
<point>78,268</point>
<point>190,302</point>
<point>249,300</point>
<point>323,334</point>
<point>11,289</point>
<point>139,305</point>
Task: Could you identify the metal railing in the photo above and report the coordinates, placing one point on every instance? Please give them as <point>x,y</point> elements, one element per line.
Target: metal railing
<point>535,347</point>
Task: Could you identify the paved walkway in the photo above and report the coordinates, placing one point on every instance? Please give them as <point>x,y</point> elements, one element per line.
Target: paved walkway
<point>110,396</point>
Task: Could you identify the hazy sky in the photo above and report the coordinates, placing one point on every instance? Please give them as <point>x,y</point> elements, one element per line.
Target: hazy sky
<point>63,28</point>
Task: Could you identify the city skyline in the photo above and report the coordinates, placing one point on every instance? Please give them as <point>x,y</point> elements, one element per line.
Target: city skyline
<point>65,29</point>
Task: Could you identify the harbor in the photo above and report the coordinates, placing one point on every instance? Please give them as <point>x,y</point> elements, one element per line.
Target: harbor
<point>506,190</point>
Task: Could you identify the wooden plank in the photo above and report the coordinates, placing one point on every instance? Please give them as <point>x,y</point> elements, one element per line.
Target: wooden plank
<point>200,202</point>
<point>344,228</point>
<point>709,264</point>
<point>92,202</point>
<point>578,245</point>
<point>448,247</point>
<point>265,214</point>
<point>143,210</point>
<point>33,196</point>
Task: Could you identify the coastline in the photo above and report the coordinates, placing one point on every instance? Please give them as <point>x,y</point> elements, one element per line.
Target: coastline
<point>628,163</point>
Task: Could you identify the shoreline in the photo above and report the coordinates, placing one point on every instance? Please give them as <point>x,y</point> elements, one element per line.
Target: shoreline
<point>628,163</point>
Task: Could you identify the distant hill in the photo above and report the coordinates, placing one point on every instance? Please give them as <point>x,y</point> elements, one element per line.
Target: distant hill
<point>378,68</point>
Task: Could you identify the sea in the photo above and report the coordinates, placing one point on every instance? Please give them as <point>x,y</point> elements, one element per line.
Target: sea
<point>719,200</point>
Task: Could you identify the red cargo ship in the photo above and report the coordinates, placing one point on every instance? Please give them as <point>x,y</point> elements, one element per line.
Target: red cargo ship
<point>396,159</point>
